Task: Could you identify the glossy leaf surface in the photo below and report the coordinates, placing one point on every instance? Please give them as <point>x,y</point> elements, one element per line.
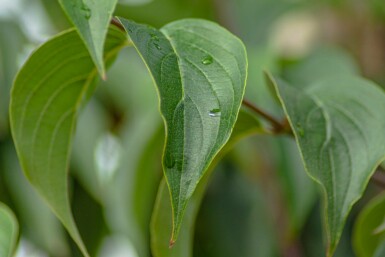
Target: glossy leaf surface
<point>199,69</point>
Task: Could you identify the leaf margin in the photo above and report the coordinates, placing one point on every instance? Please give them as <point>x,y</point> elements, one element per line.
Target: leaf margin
<point>177,220</point>
<point>69,224</point>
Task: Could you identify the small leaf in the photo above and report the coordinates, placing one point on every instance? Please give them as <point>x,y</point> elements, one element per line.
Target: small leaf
<point>91,19</point>
<point>161,223</point>
<point>9,230</point>
<point>45,100</point>
<point>365,238</point>
<point>338,124</point>
<point>200,71</point>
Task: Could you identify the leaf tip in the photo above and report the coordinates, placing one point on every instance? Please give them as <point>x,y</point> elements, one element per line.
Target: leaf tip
<point>269,79</point>
<point>331,248</point>
<point>171,243</point>
<point>173,237</point>
<point>174,233</point>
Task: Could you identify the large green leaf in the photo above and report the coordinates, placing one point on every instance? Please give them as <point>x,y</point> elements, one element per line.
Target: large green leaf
<point>45,100</point>
<point>338,124</point>
<point>200,70</point>
<point>91,19</point>
<point>365,237</point>
<point>8,231</point>
<point>161,223</point>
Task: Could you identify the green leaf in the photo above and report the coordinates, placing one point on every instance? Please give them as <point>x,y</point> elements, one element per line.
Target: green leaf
<point>8,231</point>
<point>338,124</point>
<point>365,237</point>
<point>91,19</point>
<point>161,223</point>
<point>45,100</point>
<point>200,70</point>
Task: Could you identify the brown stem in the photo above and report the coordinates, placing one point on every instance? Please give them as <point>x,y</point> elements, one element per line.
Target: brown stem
<point>116,22</point>
<point>278,127</point>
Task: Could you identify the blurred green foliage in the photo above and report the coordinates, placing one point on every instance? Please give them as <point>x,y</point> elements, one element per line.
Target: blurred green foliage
<point>259,201</point>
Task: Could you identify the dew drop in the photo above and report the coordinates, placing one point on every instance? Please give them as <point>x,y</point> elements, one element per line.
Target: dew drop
<point>215,113</point>
<point>154,37</point>
<point>157,46</point>
<point>207,60</point>
<point>86,11</point>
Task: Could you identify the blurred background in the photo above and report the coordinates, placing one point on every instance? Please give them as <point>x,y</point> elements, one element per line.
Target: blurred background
<point>260,201</point>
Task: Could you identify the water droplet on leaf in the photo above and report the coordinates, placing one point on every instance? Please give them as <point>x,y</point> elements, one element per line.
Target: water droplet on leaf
<point>207,60</point>
<point>86,11</point>
<point>215,113</point>
<point>154,37</point>
<point>157,46</point>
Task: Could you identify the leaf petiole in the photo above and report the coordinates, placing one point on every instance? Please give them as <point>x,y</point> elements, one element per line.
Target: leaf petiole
<point>278,127</point>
